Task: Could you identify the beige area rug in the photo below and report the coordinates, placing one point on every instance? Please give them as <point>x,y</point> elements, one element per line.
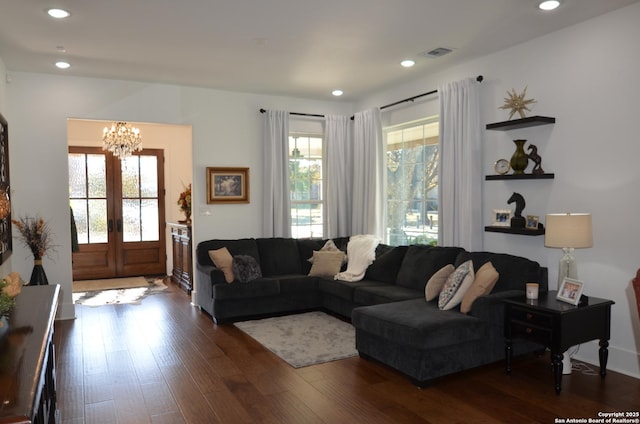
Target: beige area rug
<point>110,283</point>
<point>304,339</point>
<point>119,296</point>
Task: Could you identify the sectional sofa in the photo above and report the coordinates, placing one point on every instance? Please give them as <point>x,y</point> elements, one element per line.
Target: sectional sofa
<point>394,323</point>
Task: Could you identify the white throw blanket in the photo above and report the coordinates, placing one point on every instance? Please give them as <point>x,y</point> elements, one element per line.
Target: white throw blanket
<point>361,252</point>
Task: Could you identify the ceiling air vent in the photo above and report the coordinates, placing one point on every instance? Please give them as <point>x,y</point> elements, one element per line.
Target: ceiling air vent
<point>440,51</point>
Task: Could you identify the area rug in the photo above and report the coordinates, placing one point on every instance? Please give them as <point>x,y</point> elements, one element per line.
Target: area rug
<point>119,296</point>
<point>108,284</point>
<point>304,339</point>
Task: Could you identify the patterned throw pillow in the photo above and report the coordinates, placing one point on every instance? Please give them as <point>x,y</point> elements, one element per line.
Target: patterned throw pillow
<point>456,286</point>
<point>246,268</point>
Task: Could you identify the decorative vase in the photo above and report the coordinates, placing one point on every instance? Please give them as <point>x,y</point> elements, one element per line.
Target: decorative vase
<point>519,160</point>
<point>38,277</point>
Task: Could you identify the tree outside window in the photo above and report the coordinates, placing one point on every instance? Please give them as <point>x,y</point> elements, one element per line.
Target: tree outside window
<point>305,178</point>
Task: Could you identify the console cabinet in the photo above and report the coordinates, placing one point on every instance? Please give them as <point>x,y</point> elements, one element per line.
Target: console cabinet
<point>27,358</point>
<point>182,273</point>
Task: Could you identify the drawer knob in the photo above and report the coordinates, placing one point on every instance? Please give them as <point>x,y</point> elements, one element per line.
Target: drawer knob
<point>529,316</point>
<point>528,331</point>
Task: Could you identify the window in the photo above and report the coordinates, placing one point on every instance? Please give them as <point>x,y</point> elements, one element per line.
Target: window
<point>305,177</point>
<point>412,182</point>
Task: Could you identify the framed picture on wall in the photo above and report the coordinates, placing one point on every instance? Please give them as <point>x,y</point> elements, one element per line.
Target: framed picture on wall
<point>5,193</point>
<point>227,185</point>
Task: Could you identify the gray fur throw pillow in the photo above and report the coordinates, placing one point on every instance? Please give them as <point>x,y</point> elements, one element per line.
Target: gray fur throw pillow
<point>245,268</point>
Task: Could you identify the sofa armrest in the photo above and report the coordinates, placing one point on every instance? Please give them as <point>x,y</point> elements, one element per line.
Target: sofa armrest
<point>490,308</point>
<point>213,274</point>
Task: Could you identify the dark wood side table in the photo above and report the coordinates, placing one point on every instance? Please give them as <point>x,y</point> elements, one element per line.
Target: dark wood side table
<point>558,326</point>
<point>28,364</point>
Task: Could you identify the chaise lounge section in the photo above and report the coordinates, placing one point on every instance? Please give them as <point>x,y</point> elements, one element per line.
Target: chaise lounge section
<point>394,323</point>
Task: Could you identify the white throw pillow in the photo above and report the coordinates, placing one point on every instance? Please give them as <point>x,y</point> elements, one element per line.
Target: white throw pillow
<point>456,286</point>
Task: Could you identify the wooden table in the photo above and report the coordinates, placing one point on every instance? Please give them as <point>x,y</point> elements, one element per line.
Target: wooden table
<point>558,325</point>
<point>27,358</point>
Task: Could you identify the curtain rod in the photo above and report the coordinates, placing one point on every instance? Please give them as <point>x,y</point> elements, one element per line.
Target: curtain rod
<point>479,78</point>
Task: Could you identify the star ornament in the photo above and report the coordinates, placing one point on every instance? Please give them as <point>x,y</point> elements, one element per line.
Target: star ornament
<point>517,103</point>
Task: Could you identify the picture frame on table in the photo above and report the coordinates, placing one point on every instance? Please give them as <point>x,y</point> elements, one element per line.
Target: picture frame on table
<point>502,217</point>
<point>532,222</point>
<point>570,291</point>
<point>227,185</point>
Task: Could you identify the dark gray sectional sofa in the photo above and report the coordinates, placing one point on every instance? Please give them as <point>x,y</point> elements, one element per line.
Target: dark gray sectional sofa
<point>394,323</point>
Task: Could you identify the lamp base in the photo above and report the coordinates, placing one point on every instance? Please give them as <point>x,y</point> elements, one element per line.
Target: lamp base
<point>568,266</point>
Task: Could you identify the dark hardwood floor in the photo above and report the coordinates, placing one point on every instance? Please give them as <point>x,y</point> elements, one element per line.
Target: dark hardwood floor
<point>164,361</point>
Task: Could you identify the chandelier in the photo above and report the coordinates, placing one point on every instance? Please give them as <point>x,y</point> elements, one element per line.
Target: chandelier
<point>121,139</point>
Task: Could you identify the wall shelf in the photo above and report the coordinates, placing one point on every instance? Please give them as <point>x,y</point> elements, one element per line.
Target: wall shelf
<point>509,230</point>
<point>514,124</point>
<point>520,177</point>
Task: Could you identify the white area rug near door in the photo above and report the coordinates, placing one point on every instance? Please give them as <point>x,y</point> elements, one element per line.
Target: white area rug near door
<point>304,339</point>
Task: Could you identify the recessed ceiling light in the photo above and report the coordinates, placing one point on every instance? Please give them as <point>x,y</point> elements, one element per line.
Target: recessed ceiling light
<point>58,13</point>
<point>62,65</point>
<point>337,93</point>
<point>549,4</point>
<point>407,63</point>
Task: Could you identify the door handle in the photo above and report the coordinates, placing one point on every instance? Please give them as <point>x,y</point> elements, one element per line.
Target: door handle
<point>119,225</point>
<point>110,225</point>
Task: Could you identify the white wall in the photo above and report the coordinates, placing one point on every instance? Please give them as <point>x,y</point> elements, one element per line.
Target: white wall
<point>585,76</point>
<point>226,132</point>
<point>5,268</point>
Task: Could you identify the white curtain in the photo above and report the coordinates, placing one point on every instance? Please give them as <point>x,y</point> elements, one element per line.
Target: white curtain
<point>339,174</point>
<point>460,182</point>
<point>369,197</point>
<point>276,214</point>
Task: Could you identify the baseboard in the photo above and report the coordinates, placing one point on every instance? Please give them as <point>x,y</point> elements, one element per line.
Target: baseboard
<point>620,360</point>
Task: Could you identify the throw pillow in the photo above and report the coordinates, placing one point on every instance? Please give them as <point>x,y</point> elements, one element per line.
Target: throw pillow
<point>245,268</point>
<point>436,282</point>
<point>456,286</point>
<point>486,278</point>
<point>222,259</point>
<point>330,246</point>
<point>326,264</point>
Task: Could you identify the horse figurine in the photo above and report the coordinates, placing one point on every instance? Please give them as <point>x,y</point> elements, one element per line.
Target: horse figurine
<point>537,160</point>
<point>517,221</point>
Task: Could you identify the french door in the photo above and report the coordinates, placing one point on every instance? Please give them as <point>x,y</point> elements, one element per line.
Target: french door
<point>118,210</point>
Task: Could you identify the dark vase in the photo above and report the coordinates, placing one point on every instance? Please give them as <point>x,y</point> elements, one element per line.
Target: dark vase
<point>38,277</point>
<point>519,160</point>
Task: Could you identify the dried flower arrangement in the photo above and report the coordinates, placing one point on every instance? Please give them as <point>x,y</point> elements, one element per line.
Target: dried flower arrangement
<point>184,201</point>
<point>10,287</point>
<point>34,234</point>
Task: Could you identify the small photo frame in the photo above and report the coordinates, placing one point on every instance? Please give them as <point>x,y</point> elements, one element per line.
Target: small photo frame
<point>570,291</point>
<point>227,185</point>
<point>532,222</point>
<point>501,218</point>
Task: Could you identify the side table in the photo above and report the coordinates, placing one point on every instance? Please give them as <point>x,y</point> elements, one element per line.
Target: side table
<point>558,326</point>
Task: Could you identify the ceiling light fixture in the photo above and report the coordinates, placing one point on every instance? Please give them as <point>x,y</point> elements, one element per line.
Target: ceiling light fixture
<point>337,93</point>
<point>407,63</point>
<point>58,13</point>
<point>121,139</point>
<point>549,4</point>
<point>62,65</point>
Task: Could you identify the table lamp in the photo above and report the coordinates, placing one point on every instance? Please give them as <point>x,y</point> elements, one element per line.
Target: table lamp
<point>568,231</point>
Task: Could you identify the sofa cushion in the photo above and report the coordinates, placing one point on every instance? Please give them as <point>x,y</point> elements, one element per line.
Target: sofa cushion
<point>279,256</point>
<point>421,262</point>
<point>373,295</point>
<point>245,268</point>
<point>437,281</point>
<point>297,284</point>
<point>456,286</point>
<point>484,281</point>
<point>257,288</point>
<point>418,324</point>
<point>514,271</point>
<point>245,246</point>
<point>326,263</point>
<point>387,263</point>
<point>222,259</point>
<point>344,289</point>
<point>306,248</point>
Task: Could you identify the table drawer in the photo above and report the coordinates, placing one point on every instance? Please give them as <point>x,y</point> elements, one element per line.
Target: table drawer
<point>534,317</point>
<point>531,332</point>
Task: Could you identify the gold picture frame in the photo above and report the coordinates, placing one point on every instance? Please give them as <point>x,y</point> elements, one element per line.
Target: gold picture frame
<point>532,222</point>
<point>227,185</point>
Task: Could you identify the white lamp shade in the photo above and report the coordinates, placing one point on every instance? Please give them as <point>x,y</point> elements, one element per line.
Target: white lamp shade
<point>568,230</point>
